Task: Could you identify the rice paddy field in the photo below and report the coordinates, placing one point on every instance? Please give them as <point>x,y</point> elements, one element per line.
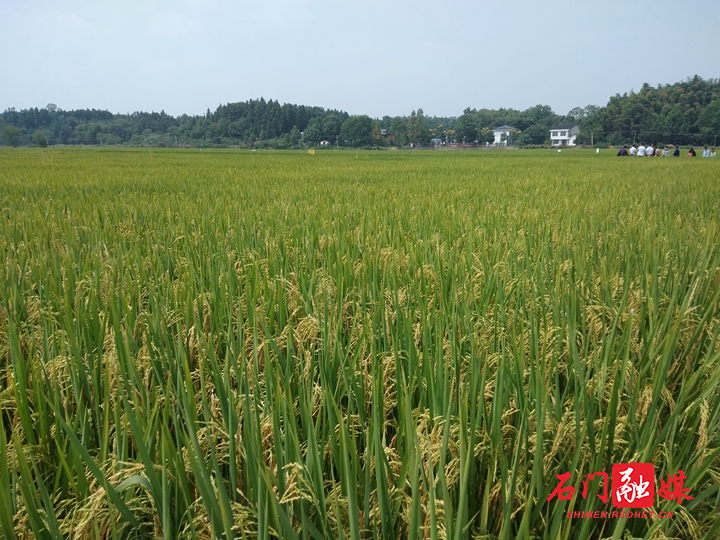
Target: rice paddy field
<point>354,345</point>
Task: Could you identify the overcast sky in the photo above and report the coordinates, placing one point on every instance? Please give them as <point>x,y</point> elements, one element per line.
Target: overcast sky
<point>363,56</point>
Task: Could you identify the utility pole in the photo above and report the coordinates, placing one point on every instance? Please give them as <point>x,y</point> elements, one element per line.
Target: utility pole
<point>592,138</point>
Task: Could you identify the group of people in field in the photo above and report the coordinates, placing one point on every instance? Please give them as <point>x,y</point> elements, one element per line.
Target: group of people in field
<point>652,150</point>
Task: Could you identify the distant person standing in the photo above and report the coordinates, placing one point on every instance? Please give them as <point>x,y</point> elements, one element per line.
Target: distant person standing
<point>632,150</point>
<point>706,152</point>
<point>623,151</point>
<point>641,150</point>
<point>676,152</point>
<point>691,153</point>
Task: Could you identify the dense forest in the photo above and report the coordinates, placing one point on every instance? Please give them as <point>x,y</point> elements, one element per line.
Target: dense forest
<point>683,113</point>
<point>687,112</point>
<point>245,123</point>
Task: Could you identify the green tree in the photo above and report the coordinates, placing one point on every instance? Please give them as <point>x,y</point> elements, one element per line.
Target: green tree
<point>438,132</point>
<point>709,118</point>
<point>294,136</point>
<point>109,139</point>
<point>313,132</point>
<point>398,129</point>
<point>466,127</point>
<point>11,135</point>
<point>576,114</point>
<point>416,128</point>
<point>376,134</point>
<point>535,134</point>
<point>331,127</point>
<point>486,135</point>
<point>283,141</point>
<point>40,139</point>
<point>357,130</point>
<point>542,115</point>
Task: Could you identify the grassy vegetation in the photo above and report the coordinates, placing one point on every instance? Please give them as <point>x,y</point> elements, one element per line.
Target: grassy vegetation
<point>224,344</point>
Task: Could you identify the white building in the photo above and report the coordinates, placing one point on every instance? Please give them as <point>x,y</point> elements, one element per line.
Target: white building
<point>499,132</point>
<point>564,134</point>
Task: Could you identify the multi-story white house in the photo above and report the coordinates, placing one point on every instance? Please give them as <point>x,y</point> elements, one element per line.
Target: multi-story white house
<point>564,134</point>
<point>502,134</point>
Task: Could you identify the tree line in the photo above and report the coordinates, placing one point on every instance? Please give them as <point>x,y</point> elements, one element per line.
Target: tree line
<point>246,123</point>
<point>684,113</point>
<point>687,112</point>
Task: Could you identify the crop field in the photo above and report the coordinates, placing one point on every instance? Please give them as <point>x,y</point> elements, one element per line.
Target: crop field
<point>354,345</point>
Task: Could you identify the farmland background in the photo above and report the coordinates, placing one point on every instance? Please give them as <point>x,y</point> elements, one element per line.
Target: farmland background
<point>353,344</point>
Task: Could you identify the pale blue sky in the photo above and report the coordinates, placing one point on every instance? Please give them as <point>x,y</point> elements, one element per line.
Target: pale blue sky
<point>370,56</point>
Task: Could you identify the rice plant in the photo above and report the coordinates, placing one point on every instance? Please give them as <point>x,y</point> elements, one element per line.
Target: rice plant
<point>199,344</point>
